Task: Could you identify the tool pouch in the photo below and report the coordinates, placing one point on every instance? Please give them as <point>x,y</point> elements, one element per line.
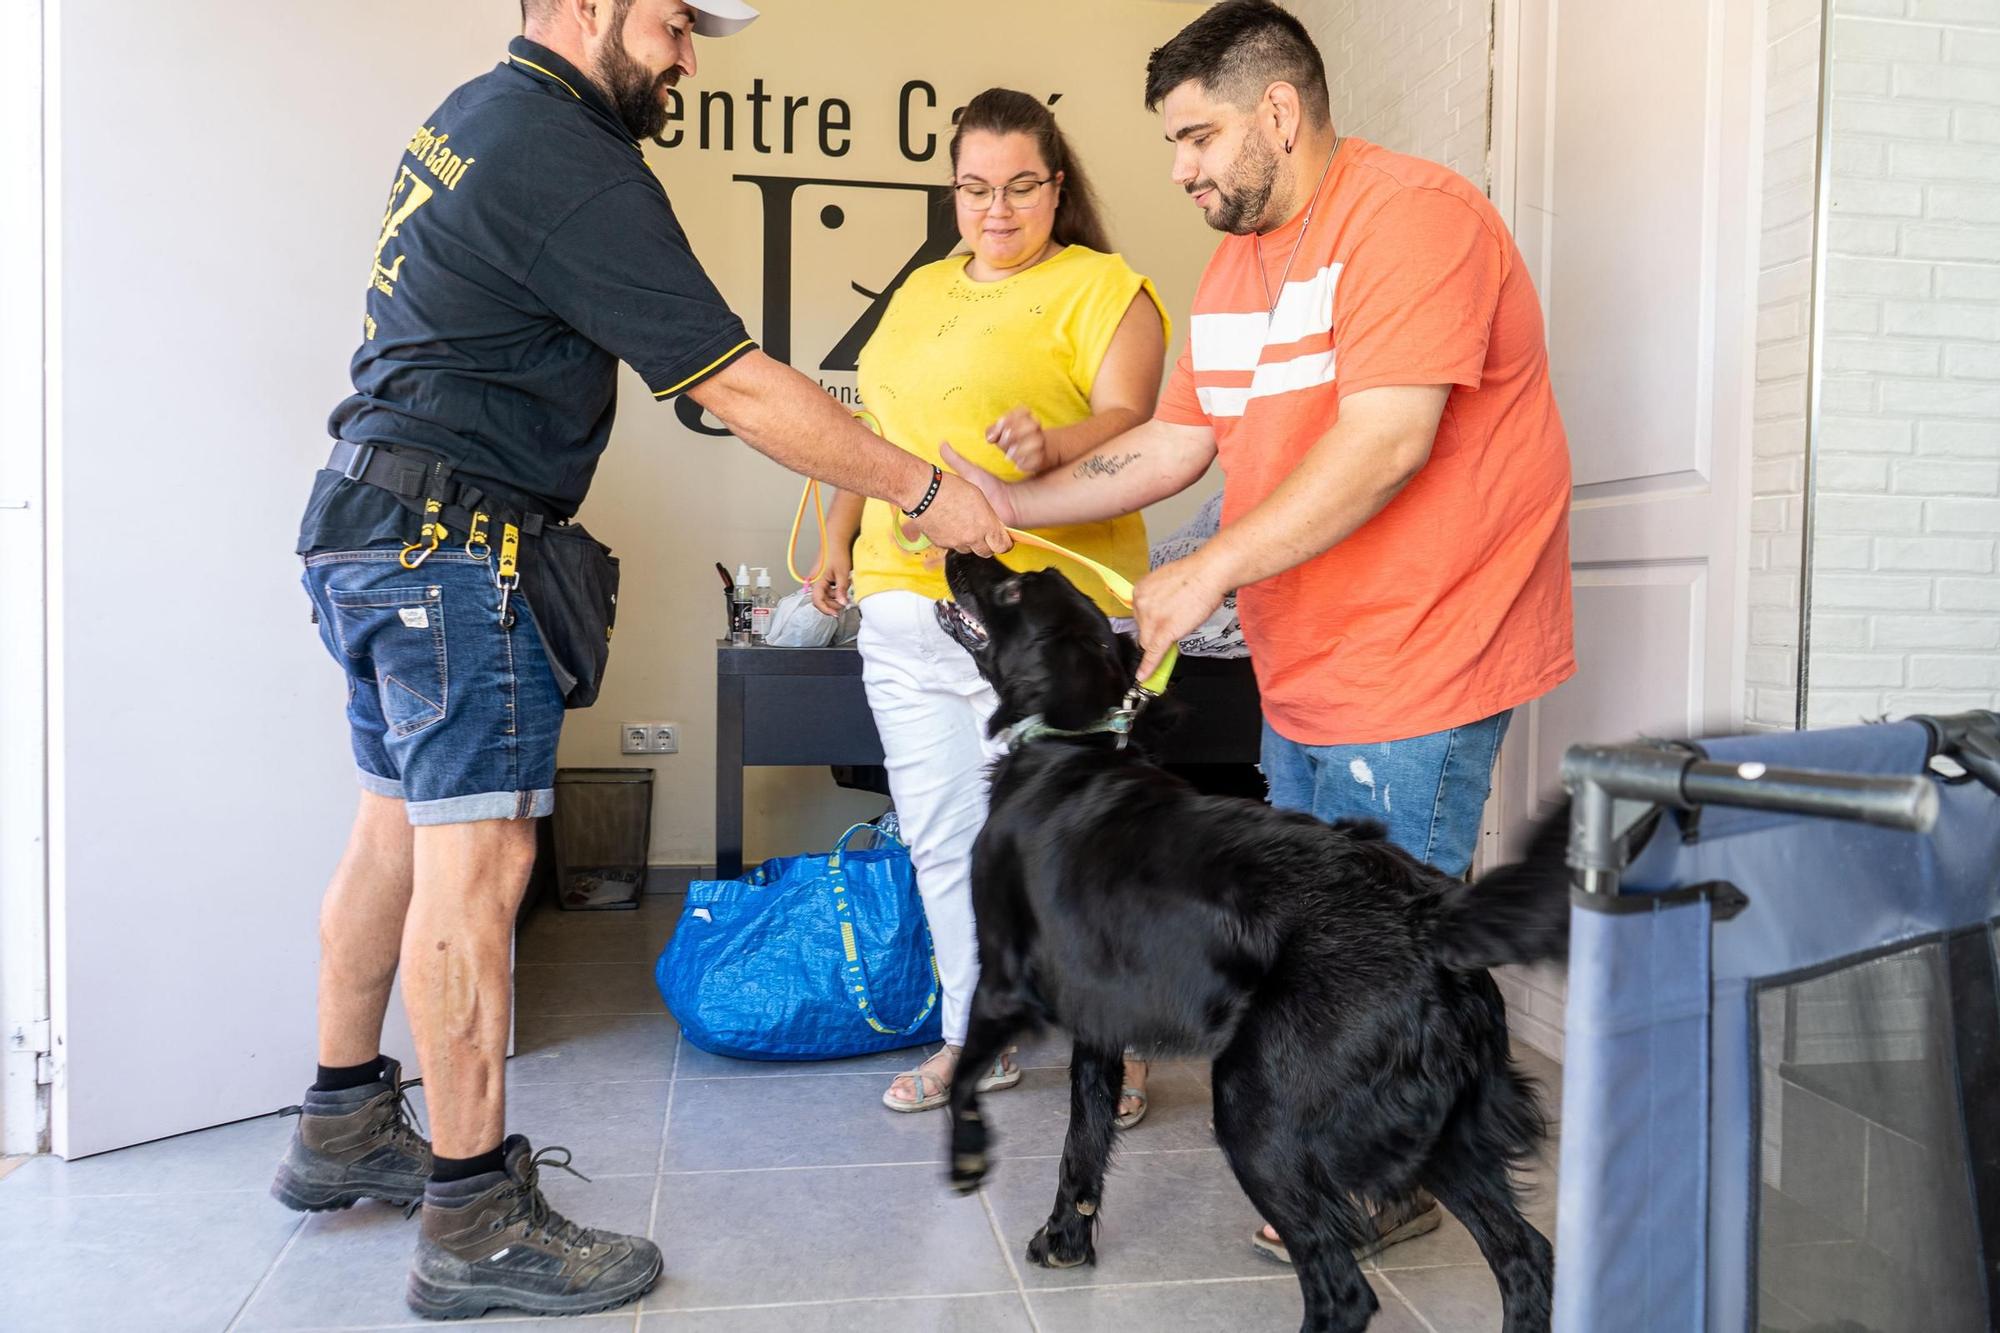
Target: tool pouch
<point>570,580</point>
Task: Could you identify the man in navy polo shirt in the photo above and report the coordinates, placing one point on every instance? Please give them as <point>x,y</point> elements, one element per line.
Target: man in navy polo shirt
<point>525,250</point>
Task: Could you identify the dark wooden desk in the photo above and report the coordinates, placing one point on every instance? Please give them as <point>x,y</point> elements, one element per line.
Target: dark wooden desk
<point>805,707</point>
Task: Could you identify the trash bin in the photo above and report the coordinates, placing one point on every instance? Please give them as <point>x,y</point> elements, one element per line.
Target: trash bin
<point>603,825</point>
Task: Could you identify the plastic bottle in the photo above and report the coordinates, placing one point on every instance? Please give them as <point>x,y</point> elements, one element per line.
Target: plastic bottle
<point>739,605</point>
<point>762,604</point>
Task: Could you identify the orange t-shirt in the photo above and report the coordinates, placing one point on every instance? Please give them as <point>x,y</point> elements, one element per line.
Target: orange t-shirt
<point>1453,603</point>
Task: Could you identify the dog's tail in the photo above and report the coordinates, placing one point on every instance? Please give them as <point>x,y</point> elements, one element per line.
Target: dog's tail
<point>1516,913</point>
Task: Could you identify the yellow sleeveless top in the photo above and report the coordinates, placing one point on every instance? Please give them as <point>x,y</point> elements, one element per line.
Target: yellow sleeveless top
<point>952,356</point>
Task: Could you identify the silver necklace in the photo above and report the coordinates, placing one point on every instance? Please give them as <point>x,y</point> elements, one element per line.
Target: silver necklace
<point>1257,238</point>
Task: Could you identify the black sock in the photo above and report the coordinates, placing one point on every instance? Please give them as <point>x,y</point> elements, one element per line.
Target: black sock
<point>444,1170</point>
<point>339,1078</point>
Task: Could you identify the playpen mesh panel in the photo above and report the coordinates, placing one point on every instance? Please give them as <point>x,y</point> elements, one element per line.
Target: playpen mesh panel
<point>1865,1217</point>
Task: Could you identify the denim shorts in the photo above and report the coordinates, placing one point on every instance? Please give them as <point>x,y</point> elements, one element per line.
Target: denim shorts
<point>448,711</point>
<point>1428,791</point>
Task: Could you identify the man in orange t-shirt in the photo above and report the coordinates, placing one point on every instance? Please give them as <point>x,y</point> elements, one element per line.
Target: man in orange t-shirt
<point>1366,358</point>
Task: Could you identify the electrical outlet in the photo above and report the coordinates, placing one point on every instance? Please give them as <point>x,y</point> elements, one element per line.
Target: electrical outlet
<point>666,738</point>
<point>635,738</point>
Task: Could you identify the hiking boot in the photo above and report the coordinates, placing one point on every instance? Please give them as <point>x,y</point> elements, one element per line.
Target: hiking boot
<point>358,1144</point>
<point>493,1242</point>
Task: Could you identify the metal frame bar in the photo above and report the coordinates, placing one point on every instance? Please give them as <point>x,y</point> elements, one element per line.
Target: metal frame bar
<point>1598,776</point>
<point>1815,360</point>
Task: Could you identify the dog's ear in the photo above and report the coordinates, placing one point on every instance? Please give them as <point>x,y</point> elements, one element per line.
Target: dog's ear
<point>1131,653</point>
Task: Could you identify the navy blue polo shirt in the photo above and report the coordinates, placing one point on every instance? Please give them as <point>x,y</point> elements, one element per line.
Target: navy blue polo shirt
<point>525,250</point>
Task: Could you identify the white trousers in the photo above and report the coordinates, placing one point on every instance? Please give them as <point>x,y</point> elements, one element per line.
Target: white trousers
<point>931,706</point>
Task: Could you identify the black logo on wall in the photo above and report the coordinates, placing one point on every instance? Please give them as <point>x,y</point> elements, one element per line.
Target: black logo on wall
<point>776,196</point>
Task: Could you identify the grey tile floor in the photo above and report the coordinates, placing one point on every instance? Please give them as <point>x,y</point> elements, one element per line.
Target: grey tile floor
<point>785,1198</point>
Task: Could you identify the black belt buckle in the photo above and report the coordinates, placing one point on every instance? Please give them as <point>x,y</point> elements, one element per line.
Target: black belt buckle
<point>358,461</point>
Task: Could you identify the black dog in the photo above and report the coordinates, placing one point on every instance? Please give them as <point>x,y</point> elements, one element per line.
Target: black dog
<point>1338,984</point>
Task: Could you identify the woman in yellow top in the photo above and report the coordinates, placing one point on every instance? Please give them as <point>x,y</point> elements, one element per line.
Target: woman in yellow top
<point>1025,353</point>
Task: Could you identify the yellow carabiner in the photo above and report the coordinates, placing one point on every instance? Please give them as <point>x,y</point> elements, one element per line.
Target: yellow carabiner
<point>475,540</point>
<point>429,538</point>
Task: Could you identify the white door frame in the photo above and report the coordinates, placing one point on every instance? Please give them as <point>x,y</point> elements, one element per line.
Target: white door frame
<point>24,345</point>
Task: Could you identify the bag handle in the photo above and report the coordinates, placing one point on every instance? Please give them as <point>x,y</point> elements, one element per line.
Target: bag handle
<point>854,969</point>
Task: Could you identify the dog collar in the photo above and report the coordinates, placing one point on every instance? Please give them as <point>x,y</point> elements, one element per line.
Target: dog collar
<point>1117,722</point>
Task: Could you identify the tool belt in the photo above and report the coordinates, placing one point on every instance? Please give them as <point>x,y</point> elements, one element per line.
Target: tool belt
<point>568,578</point>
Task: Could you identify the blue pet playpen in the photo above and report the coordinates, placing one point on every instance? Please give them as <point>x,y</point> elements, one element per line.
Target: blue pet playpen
<point>1781,1104</point>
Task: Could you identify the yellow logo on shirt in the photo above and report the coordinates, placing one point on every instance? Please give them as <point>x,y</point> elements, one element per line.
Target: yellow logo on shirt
<point>432,149</point>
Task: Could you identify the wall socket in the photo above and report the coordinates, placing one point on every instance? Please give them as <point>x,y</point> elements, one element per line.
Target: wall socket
<point>649,738</point>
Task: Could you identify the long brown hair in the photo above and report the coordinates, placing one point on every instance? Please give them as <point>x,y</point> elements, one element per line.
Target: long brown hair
<point>1005,111</point>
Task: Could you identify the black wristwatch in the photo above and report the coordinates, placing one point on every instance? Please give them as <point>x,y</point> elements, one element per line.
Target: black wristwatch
<point>937,480</point>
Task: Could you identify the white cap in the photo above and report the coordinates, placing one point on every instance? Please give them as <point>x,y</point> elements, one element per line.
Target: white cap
<point>763,577</point>
<point>721,18</point>
<point>742,575</point>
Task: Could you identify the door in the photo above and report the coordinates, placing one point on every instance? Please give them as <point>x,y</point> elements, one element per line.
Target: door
<point>205,295</point>
<point>1623,163</point>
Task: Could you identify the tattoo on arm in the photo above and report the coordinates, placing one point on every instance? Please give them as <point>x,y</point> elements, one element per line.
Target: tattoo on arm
<point>1107,466</point>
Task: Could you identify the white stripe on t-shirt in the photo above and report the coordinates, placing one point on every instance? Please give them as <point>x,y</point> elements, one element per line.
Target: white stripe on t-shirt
<point>1224,342</point>
<point>1276,377</point>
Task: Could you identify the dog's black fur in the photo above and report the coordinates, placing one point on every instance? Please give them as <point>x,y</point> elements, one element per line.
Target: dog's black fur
<point>1338,984</point>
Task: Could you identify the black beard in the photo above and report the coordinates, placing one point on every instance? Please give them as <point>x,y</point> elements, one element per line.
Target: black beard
<point>634,93</point>
<point>1240,208</point>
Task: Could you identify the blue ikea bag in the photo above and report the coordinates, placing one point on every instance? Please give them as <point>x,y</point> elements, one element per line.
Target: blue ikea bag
<point>806,958</point>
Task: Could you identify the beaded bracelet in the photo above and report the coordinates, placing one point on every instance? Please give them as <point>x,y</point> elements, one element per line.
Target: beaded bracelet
<point>937,480</point>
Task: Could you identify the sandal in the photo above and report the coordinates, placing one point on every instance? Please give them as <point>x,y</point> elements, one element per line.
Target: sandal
<point>1001,1076</point>
<point>1128,1093</point>
<point>1407,1219</point>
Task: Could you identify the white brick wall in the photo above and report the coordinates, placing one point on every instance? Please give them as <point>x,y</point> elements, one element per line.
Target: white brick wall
<point>1784,335</point>
<point>1415,76</point>
<point>1906,549</point>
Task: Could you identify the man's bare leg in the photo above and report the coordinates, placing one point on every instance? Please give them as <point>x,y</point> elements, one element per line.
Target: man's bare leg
<point>361,932</point>
<point>355,1139</point>
<point>458,973</point>
<point>488,1237</point>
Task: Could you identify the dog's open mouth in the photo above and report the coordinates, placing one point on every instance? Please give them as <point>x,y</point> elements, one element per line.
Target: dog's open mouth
<point>964,627</point>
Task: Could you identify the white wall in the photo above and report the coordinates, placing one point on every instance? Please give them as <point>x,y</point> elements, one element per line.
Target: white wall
<point>1414,75</point>
<point>1905,598</point>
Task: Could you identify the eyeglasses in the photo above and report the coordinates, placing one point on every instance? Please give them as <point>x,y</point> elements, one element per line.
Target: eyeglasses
<point>979,196</point>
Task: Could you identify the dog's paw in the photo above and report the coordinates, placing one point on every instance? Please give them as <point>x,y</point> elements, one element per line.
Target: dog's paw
<point>968,1149</point>
<point>1069,1250</point>
<point>968,1171</point>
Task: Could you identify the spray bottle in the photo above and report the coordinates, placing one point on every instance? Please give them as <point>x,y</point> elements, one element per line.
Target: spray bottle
<point>762,604</point>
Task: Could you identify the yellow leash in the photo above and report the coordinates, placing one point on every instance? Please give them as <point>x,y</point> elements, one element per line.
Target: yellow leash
<point>1119,586</point>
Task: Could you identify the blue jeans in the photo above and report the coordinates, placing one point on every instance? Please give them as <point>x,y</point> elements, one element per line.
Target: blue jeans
<point>447,711</point>
<point>1427,790</point>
